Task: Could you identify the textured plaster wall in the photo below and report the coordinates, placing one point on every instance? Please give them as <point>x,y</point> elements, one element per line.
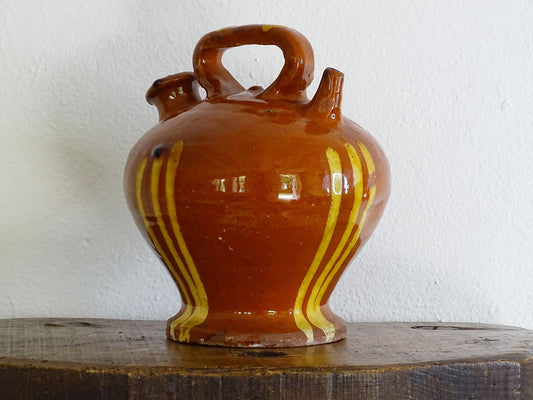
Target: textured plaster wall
<point>445,86</point>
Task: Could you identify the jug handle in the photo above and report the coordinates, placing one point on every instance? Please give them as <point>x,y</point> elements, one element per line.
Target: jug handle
<point>294,78</point>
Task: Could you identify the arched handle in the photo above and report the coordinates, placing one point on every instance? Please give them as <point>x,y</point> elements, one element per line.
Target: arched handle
<point>294,78</point>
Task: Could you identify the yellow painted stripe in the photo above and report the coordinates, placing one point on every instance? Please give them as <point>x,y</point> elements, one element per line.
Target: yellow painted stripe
<point>336,193</point>
<point>266,28</point>
<point>368,159</point>
<point>201,307</point>
<point>156,173</point>
<point>372,191</point>
<point>138,191</point>
<point>313,306</point>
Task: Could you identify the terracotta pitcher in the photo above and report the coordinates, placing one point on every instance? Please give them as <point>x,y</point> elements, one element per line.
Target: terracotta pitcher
<point>255,200</point>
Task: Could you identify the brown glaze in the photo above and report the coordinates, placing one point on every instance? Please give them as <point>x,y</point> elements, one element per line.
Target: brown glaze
<point>255,200</point>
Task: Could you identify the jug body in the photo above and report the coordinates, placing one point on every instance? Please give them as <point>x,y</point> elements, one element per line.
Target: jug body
<point>255,200</point>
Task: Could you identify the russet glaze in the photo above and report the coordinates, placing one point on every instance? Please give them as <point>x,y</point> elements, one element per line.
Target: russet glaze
<point>255,200</point>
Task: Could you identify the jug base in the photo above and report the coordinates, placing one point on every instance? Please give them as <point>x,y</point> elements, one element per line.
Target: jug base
<point>257,332</point>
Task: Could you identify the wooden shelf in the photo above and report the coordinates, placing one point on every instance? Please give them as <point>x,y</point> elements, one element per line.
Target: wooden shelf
<point>119,359</point>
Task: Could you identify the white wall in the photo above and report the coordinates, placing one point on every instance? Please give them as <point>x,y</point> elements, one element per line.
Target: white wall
<point>445,86</point>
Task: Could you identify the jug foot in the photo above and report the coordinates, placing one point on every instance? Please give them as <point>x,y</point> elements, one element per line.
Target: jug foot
<point>262,331</point>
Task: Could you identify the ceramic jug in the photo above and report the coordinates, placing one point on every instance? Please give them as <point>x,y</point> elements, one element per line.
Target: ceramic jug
<point>255,200</point>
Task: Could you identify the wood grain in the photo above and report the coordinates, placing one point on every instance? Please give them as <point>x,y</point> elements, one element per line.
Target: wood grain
<point>119,359</point>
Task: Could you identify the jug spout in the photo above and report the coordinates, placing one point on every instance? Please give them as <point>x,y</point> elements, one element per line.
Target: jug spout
<point>327,100</point>
<point>173,94</point>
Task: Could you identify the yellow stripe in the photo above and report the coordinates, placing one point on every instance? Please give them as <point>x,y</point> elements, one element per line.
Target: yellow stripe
<point>368,159</point>
<point>156,172</point>
<point>166,260</point>
<point>370,168</point>
<point>336,193</point>
<point>313,306</point>
<point>201,307</point>
<point>266,28</point>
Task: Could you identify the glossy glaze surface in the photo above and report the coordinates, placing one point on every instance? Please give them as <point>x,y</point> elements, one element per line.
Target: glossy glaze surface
<point>255,200</point>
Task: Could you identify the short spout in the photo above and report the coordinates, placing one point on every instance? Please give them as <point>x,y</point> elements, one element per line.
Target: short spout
<point>173,94</point>
<point>327,100</point>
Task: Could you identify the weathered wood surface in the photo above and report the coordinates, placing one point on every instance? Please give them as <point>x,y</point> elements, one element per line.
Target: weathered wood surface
<point>118,359</point>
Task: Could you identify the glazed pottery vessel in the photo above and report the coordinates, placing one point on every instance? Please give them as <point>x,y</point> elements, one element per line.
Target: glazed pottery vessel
<point>255,200</point>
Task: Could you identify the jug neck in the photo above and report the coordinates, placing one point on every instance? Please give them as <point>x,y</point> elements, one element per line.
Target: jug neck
<point>173,94</point>
<point>326,104</point>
